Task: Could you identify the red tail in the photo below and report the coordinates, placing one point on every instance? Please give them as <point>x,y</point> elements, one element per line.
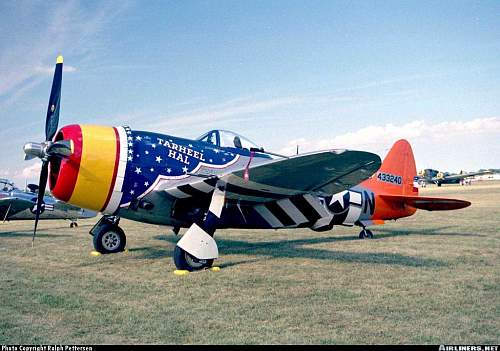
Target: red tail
<point>393,186</point>
<point>396,174</point>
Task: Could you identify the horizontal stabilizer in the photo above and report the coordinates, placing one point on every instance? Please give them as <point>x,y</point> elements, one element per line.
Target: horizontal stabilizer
<point>428,203</point>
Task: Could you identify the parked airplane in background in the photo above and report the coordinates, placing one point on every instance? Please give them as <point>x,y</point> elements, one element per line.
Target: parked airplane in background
<point>16,204</point>
<point>220,180</point>
<point>432,176</point>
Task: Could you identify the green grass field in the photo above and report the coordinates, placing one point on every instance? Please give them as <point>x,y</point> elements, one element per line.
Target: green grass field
<point>431,278</point>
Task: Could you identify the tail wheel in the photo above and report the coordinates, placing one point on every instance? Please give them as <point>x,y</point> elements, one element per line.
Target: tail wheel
<point>365,233</point>
<point>109,239</point>
<point>362,234</point>
<point>185,261</point>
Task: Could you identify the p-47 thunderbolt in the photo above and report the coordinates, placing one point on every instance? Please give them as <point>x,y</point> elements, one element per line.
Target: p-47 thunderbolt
<point>16,204</point>
<point>219,180</point>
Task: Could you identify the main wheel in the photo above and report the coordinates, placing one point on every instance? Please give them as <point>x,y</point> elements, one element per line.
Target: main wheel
<point>185,261</point>
<point>109,239</point>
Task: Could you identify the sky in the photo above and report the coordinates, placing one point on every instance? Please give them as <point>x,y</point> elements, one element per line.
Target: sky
<point>318,74</point>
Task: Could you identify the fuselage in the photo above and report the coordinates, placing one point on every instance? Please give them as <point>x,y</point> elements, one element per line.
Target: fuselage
<point>163,179</point>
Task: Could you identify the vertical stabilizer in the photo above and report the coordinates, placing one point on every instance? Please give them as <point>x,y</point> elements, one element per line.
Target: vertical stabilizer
<point>396,174</point>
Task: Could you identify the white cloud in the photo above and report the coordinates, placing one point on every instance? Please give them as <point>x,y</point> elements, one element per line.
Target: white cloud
<point>450,146</point>
<point>32,172</point>
<point>372,137</point>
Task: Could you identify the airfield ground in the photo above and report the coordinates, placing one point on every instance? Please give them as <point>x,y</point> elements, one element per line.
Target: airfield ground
<point>431,278</point>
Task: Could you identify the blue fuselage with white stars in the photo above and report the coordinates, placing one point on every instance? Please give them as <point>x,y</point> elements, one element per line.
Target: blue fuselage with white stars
<point>152,156</point>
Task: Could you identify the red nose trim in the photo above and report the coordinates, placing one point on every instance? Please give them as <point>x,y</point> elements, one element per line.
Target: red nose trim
<point>64,172</point>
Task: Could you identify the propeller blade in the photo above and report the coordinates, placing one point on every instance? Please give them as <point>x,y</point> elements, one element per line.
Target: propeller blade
<point>41,191</point>
<point>52,121</point>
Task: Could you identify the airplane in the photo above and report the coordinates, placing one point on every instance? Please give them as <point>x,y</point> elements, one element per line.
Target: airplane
<point>219,180</point>
<point>430,176</point>
<point>16,204</point>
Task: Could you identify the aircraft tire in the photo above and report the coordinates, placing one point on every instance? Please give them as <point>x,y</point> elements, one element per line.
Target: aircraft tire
<point>185,261</point>
<point>109,239</point>
<point>369,233</point>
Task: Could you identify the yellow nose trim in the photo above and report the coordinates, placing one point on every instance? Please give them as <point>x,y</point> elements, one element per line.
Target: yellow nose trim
<point>97,165</point>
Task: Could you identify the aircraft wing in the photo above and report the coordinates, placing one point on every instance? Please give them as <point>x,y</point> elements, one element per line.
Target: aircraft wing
<point>322,173</point>
<point>13,205</point>
<point>429,203</point>
<point>461,176</point>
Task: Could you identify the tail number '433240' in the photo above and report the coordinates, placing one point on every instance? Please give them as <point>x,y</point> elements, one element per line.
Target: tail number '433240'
<point>389,178</point>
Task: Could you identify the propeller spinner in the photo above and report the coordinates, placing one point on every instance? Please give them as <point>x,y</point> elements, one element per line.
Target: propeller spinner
<point>48,149</point>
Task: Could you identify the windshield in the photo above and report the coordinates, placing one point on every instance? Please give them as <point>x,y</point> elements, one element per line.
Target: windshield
<point>226,138</point>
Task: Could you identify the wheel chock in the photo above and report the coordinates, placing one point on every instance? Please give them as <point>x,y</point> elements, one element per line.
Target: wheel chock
<point>95,253</point>
<point>215,269</point>
<point>181,272</point>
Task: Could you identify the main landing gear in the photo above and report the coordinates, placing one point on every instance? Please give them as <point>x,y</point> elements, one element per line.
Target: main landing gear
<point>73,224</point>
<point>197,248</point>
<point>108,236</point>
<point>365,233</point>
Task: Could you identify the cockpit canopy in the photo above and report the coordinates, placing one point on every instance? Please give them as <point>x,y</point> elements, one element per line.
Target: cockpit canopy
<point>226,138</point>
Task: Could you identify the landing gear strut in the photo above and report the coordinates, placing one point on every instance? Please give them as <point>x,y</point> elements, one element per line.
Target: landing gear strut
<point>365,233</point>
<point>108,236</point>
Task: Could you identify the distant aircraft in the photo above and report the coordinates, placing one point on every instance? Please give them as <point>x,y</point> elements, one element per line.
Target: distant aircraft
<point>432,176</point>
<point>220,180</point>
<point>16,204</point>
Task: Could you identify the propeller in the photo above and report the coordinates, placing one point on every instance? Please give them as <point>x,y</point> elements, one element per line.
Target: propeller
<point>48,149</point>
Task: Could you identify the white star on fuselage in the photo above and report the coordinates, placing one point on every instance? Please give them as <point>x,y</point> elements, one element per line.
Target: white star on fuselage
<point>146,183</point>
<point>130,158</point>
<point>184,169</point>
<point>132,192</point>
<point>153,146</point>
<point>137,170</point>
<point>146,152</point>
<point>138,138</point>
<point>158,159</point>
<point>169,170</point>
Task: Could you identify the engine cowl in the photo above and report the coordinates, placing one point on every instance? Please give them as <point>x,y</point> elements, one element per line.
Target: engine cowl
<point>92,176</point>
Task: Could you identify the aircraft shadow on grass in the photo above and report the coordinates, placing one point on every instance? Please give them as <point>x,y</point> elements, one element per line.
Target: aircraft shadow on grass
<point>294,249</point>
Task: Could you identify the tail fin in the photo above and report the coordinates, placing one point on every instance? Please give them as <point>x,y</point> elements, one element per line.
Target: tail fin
<point>396,173</point>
